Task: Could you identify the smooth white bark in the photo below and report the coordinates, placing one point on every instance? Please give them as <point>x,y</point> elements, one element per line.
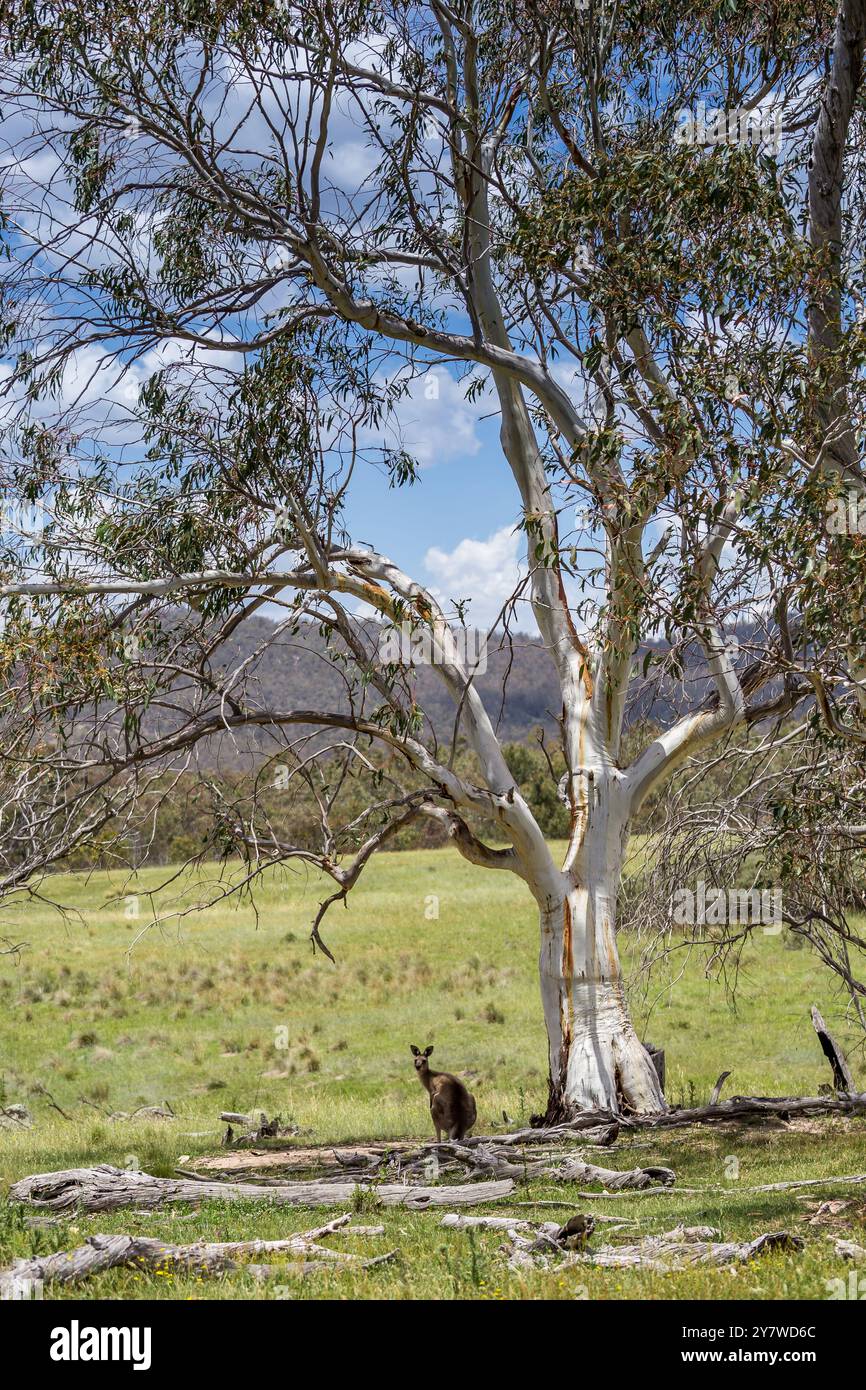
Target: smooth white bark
<point>596,1059</point>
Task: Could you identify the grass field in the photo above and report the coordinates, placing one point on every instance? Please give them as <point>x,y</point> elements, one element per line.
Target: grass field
<point>227,1009</point>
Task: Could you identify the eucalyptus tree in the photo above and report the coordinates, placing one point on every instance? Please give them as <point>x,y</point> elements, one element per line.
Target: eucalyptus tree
<point>630,229</point>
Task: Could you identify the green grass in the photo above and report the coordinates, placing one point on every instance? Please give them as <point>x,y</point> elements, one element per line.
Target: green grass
<point>224,1009</point>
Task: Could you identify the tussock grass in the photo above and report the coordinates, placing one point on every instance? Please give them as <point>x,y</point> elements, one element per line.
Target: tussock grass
<point>228,1009</point>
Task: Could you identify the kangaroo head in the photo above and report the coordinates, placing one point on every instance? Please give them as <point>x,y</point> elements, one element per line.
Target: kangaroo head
<point>421,1064</point>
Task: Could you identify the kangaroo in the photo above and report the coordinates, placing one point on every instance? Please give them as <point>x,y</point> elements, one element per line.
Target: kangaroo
<point>451,1105</point>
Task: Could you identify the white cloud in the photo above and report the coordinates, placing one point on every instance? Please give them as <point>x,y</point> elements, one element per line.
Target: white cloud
<point>433,422</point>
<point>487,572</point>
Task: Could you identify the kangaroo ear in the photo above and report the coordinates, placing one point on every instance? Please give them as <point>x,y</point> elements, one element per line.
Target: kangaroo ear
<point>428,1050</point>
<point>413,1049</point>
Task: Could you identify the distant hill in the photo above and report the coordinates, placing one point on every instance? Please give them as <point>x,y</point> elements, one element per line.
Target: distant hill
<point>519,687</point>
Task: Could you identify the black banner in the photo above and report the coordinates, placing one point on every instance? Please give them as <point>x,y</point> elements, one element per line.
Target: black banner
<point>257,1339</point>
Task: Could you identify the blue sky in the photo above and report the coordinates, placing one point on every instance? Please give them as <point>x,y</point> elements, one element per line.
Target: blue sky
<point>454,529</point>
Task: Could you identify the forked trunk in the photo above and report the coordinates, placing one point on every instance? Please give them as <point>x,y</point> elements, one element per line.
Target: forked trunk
<point>596,1059</point>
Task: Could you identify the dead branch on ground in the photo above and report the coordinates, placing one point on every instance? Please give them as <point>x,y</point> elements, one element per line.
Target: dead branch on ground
<point>105,1188</point>
<point>103,1252</point>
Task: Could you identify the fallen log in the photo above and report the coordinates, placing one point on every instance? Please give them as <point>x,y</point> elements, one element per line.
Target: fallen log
<point>454,1221</point>
<point>560,1206</point>
<point>605,1127</point>
<point>493,1160</point>
<point>805,1182</point>
<point>676,1249</point>
<point>831,1181</point>
<point>365,1159</point>
<point>541,1236</point>
<point>754,1107</point>
<point>682,1247</point>
<point>255,1131</point>
<point>850,1250</point>
<point>401,1156</point>
<point>105,1188</point>
<point>533,1245</point>
<point>102,1252</point>
<point>848,1102</point>
<point>592,1120</point>
<point>634,1179</point>
<point>301,1158</point>
<point>15,1117</point>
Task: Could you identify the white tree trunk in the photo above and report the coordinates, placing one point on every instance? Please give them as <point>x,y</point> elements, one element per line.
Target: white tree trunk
<point>596,1059</point>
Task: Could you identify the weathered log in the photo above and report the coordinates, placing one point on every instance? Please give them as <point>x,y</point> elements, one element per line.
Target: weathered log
<point>737,1107</point>
<point>852,1178</point>
<point>15,1117</point>
<point>493,1160</point>
<point>832,1181</point>
<point>590,1130</point>
<point>850,1250</point>
<point>154,1112</point>
<point>850,1102</point>
<point>362,1161</point>
<point>560,1206</point>
<point>754,1107</point>
<point>529,1238</point>
<point>105,1188</point>
<point>842,1078</point>
<point>682,1247</point>
<point>255,1131</point>
<point>637,1179</point>
<point>234,1117</point>
<point>587,1119</point>
<point>102,1252</point>
<point>455,1221</point>
<point>303,1158</point>
<point>676,1249</point>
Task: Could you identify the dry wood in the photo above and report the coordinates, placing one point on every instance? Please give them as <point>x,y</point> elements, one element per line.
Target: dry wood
<point>561,1206</point>
<point>102,1252</point>
<point>850,1250</point>
<point>455,1221</point>
<point>302,1158</point>
<point>676,1249</point>
<point>634,1179</point>
<point>754,1107</point>
<point>105,1188</point>
<point>534,1244</point>
<point>805,1182</point>
<point>830,1181</point>
<point>482,1157</point>
<point>592,1127</point>
<point>596,1128</point>
<point>842,1078</point>
<point>717,1089</point>
<point>256,1130</point>
<point>15,1117</point>
<point>642,1192</point>
<point>492,1160</point>
<point>682,1247</point>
